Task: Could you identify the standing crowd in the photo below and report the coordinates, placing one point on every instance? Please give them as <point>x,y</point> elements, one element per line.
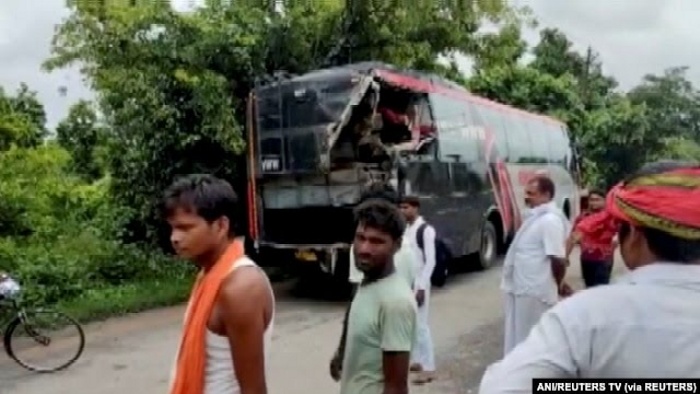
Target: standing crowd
<point>644,325</point>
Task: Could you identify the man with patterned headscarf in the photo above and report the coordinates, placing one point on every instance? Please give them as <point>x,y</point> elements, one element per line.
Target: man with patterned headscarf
<point>645,325</point>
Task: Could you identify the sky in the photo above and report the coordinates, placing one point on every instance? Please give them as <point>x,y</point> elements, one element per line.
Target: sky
<point>632,37</point>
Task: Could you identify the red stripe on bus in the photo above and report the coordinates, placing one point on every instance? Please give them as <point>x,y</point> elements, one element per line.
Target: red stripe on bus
<point>504,175</point>
<point>500,189</point>
<point>430,87</point>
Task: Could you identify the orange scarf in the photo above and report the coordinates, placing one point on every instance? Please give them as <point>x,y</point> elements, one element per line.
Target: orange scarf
<point>191,361</point>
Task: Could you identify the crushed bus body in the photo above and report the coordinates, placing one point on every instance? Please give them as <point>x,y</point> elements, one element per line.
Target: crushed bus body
<point>317,141</point>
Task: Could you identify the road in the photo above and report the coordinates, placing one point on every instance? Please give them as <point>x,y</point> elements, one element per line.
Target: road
<point>134,354</point>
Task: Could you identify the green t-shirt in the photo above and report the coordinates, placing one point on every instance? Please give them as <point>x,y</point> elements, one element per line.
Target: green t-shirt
<point>382,319</point>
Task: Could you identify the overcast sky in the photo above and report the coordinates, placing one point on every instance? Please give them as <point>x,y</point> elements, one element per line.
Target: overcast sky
<point>633,37</point>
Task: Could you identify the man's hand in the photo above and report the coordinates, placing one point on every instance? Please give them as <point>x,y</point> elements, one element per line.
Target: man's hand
<point>336,366</point>
<point>565,290</point>
<point>420,297</point>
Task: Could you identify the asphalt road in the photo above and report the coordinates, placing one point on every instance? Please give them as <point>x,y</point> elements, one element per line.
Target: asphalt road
<point>133,354</point>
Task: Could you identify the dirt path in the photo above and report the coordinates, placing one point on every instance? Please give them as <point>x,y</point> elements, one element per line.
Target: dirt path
<point>134,354</point>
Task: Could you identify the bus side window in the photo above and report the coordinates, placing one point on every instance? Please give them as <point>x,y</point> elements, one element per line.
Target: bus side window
<point>453,130</point>
<point>496,122</point>
<point>427,148</point>
<point>569,159</point>
<point>556,139</point>
<point>539,134</point>
<point>518,133</point>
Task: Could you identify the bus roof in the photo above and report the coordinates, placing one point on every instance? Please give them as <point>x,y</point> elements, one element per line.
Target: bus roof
<point>414,80</point>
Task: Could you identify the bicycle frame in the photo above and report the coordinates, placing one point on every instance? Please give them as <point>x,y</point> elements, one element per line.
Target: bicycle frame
<point>16,310</point>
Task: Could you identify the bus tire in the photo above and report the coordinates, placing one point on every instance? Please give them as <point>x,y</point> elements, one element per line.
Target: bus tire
<point>488,248</point>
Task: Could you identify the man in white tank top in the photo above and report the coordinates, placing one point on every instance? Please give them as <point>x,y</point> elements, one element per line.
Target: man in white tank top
<point>200,210</point>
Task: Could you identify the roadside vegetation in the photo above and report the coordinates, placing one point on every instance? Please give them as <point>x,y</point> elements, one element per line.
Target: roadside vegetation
<point>78,222</point>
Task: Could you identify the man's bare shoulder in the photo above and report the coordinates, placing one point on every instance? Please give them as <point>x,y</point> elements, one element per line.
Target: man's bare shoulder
<point>245,283</point>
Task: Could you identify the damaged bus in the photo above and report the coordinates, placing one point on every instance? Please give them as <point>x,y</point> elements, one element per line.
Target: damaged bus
<point>318,140</point>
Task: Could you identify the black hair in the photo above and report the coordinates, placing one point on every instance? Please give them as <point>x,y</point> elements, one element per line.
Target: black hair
<point>380,191</point>
<point>381,215</point>
<point>544,185</point>
<point>206,195</point>
<point>411,200</point>
<point>665,246</point>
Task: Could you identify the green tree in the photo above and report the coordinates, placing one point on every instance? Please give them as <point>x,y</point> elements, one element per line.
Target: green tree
<point>22,119</point>
<point>81,134</point>
<point>554,55</point>
<point>172,87</point>
<point>503,48</point>
<point>680,148</point>
<point>673,103</point>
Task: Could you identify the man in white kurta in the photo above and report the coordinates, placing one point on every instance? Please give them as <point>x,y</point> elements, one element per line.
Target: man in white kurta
<point>535,262</point>
<point>646,324</point>
<point>423,355</point>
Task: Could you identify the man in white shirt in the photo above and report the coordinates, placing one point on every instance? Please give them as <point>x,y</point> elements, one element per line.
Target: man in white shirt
<point>423,356</point>
<point>646,325</point>
<point>535,264</point>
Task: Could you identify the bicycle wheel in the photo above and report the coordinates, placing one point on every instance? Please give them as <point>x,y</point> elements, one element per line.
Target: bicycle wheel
<point>44,340</point>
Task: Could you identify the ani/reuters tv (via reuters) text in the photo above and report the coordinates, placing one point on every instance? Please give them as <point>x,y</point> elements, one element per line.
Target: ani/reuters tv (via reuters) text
<point>615,385</point>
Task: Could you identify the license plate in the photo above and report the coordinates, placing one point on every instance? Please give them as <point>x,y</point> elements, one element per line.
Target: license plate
<point>306,255</point>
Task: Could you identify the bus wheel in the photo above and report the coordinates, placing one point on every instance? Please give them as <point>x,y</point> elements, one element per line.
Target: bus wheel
<point>488,250</point>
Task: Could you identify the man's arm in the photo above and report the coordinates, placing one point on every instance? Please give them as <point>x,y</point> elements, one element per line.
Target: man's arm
<point>398,325</point>
<point>344,333</point>
<point>573,240</point>
<point>550,351</point>
<point>244,297</point>
<point>555,247</point>
<point>428,265</point>
<point>355,278</point>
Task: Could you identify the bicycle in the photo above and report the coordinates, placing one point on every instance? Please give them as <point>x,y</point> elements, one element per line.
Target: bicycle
<point>28,324</point>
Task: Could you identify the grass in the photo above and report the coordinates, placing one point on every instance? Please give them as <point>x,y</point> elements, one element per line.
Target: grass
<point>110,301</point>
<point>107,302</point>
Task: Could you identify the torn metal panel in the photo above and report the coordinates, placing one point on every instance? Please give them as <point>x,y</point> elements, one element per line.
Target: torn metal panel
<point>334,130</point>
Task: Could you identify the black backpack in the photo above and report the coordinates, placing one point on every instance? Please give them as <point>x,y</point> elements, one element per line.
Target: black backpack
<point>442,256</point>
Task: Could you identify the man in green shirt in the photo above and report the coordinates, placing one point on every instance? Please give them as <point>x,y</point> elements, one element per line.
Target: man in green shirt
<point>382,319</point>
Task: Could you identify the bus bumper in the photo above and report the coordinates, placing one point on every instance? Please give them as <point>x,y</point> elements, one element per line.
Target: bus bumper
<point>329,258</point>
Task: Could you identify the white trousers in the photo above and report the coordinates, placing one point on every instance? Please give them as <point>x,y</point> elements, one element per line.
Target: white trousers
<point>522,313</point>
<point>423,352</point>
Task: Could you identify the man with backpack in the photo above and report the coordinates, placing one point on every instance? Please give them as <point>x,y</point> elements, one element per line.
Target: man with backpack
<point>422,237</point>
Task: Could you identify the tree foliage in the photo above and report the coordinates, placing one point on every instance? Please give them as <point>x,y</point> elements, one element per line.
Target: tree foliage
<point>22,119</point>
<point>77,213</point>
<point>81,134</point>
<point>172,86</point>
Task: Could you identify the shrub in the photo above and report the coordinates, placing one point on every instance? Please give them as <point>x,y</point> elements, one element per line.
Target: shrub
<point>59,236</point>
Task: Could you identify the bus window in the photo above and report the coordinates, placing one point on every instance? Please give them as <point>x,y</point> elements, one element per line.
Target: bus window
<point>518,132</point>
<point>557,141</point>
<point>569,160</point>
<point>494,122</point>
<point>446,108</point>
<point>459,141</point>
<point>540,132</point>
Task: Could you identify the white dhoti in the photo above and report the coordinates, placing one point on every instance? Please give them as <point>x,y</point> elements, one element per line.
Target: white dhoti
<point>522,312</point>
<point>423,352</point>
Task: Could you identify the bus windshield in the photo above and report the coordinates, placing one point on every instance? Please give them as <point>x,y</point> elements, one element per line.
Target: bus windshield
<point>303,103</point>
